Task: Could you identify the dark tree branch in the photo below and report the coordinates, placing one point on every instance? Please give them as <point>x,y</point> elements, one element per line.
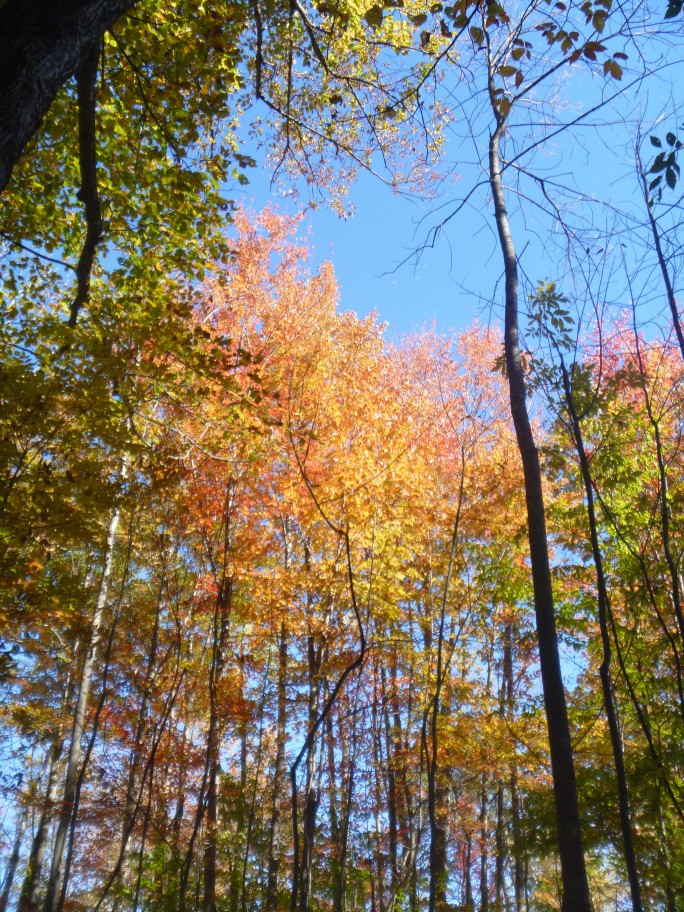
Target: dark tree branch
<point>88,194</point>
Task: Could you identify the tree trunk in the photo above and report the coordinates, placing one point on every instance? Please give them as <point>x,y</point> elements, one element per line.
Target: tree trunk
<point>670,897</point>
<point>74,757</point>
<point>135,762</point>
<point>28,899</point>
<point>222,619</point>
<point>437,810</point>
<point>499,884</point>
<point>43,43</point>
<point>312,796</point>
<point>239,845</point>
<point>484,845</point>
<point>348,763</point>
<point>13,860</point>
<point>604,671</point>
<point>468,864</point>
<point>509,697</point>
<point>206,798</point>
<point>278,777</point>
<point>392,812</point>
<point>576,896</point>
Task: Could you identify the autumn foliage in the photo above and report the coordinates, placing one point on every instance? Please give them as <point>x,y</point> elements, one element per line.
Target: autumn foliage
<point>285,572</point>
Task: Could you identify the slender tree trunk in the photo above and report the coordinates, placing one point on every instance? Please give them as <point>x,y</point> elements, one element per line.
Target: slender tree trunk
<point>576,896</point>
<point>484,845</point>
<point>378,798</point>
<point>143,841</point>
<point>405,808</point>
<point>665,507</point>
<point>509,710</point>
<point>253,808</point>
<point>13,860</point>
<point>340,895</point>
<point>468,864</point>
<point>312,796</point>
<point>74,757</point>
<point>484,805</point>
<point>604,671</point>
<point>436,791</point>
<point>206,798</point>
<point>210,851</point>
<point>222,625</point>
<point>69,849</point>
<point>663,264</point>
<point>136,758</point>
<point>392,812</point>
<point>178,812</point>
<point>670,897</point>
<point>518,851</point>
<point>28,898</point>
<point>332,784</point>
<point>239,812</point>
<point>278,777</point>
<point>500,849</point>
<point>335,798</point>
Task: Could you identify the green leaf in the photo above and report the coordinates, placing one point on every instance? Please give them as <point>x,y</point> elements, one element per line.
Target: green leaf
<point>374,16</point>
<point>615,69</point>
<point>658,165</point>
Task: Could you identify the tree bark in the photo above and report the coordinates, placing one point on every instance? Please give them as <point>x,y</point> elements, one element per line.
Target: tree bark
<point>43,44</point>
<point>349,763</point>
<point>136,757</point>
<point>13,860</point>
<point>500,849</point>
<point>237,856</point>
<point>312,793</point>
<point>604,671</point>
<point>392,812</point>
<point>28,899</point>
<point>509,697</point>
<point>74,757</point>
<point>279,777</point>
<point>576,896</point>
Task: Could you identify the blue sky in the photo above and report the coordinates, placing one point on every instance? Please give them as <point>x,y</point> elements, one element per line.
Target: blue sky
<point>456,281</point>
<point>367,251</point>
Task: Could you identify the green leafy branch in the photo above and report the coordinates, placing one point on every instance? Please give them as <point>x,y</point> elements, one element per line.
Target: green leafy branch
<point>664,165</point>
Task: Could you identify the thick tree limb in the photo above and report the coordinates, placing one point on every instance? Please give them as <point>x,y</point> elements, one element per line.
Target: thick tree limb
<point>88,194</point>
<point>42,44</point>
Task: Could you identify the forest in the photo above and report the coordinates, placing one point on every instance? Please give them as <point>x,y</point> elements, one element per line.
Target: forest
<point>295,618</point>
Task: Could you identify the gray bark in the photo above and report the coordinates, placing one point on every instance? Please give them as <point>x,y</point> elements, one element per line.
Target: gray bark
<point>13,860</point>
<point>75,753</point>
<point>28,899</point>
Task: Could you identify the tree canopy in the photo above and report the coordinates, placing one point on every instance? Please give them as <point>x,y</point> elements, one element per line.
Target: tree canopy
<point>292,615</point>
